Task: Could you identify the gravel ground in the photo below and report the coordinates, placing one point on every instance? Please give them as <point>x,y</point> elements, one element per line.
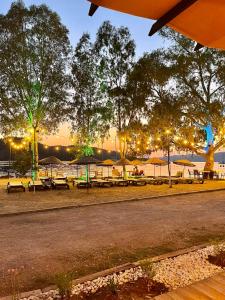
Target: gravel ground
<point>174,272</point>
<point>91,239</point>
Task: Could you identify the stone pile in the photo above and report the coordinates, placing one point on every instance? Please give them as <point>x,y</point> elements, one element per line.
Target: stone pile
<point>174,272</point>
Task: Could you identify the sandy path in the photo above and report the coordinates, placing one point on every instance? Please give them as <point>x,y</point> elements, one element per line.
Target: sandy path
<point>93,238</point>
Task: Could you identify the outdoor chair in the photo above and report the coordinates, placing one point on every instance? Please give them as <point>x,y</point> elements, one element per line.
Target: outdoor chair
<point>191,174</point>
<point>58,177</point>
<point>101,183</point>
<point>81,184</point>
<point>190,180</point>
<point>154,181</point>
<point>36,185</point>
<point>15,186</point>
<point>137,181</point>
<point>197,174</point>
<point>216,175</point>
<point>165,179</point>
<point>57,184</point>
<point>46,181</point>
<point>119,182</point>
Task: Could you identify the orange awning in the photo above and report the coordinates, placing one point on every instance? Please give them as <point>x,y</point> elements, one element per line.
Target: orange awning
<point>200,20</point>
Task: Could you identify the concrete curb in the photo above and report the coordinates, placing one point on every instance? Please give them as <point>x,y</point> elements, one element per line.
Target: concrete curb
<point>110,271</point>
<point>105,203</point>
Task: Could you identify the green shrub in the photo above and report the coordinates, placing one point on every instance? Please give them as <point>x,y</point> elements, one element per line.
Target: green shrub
<point>64,284</point>
<point>147,267</point>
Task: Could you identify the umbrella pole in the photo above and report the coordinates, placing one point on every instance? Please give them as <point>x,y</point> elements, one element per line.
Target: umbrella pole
<point>87,177</point>
<point>154,170</point>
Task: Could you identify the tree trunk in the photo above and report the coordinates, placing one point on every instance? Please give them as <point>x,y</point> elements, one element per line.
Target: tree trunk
<point>123,150</point>
<point>209,164</point>
<point>35,154</point>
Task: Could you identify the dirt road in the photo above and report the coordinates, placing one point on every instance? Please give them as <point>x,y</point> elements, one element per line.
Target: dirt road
<point>93,238</point>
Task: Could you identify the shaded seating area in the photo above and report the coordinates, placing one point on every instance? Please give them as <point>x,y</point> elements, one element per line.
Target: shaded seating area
<point>15,186</point>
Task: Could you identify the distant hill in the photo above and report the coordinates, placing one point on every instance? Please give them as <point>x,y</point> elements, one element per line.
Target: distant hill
<point>64,155</point>
<point>61,153</point>
<point>219,157</point>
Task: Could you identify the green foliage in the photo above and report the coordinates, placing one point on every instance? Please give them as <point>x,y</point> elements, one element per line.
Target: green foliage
<point>34,87</point>
<point>148,268</point>
<point>199,79</point>
<point>86,150</point>
<point>115,51</point>
<point>113,285</point>
<point>88,109</point>
<point>63,282</point>
<point>22,162</point>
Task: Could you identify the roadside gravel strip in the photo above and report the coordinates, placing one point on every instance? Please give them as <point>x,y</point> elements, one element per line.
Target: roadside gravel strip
<point>174,272</point>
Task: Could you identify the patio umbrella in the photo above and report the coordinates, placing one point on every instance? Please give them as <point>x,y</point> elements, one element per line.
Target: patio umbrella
<point>50,161</point>
<point>137,162</point>
<point>184,163</point>
<point>123,162</point>
<point>107,163</point>
<point>200,20</point>
<point>156,162</point>
<point>86,161</point>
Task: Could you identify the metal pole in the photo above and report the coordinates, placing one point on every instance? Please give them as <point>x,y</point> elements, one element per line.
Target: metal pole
<point>169,170</point>
<point>10,154</point>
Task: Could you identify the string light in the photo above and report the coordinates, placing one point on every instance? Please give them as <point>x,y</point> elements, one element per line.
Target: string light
<point>57,148</point>
<point>46,147</point>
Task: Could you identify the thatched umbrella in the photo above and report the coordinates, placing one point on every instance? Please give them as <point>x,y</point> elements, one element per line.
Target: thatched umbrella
<point>183,16</point>
<point>137,162</point>
<point>123,162</point>
<point>184,163</point>
<point>156,162</point>
<point>106,163</point>
<point>85,161</point>
<point>50,161</point>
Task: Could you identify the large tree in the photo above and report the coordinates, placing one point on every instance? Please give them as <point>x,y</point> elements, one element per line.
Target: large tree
<point>34,49</point>
<point>89,110</point>
<point>116,52</point>
<point>199,78</point>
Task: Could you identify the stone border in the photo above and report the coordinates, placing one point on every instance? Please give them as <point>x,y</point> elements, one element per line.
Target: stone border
<point>109,202</point>
<point>110,271</point>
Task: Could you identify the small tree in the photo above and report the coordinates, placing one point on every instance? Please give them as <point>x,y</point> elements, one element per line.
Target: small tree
<point>34,48</point>
<point>22,162</point>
